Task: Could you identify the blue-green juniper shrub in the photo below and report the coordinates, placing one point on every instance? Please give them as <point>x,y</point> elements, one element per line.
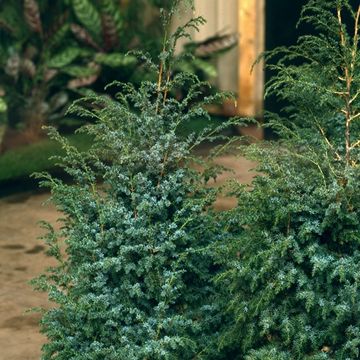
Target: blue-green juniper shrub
<point>134,276</point>
<point>294,261</point>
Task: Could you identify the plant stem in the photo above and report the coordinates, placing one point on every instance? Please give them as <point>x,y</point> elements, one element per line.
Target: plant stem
<point>347,94</point>
<point>161,70</point>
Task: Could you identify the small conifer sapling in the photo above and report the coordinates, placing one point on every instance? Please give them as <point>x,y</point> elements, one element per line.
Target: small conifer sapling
<point>295,290</point>
<point>135,279</point>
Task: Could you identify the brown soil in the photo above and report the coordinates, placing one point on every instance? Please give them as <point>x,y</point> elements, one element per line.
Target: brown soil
<point>22,258</point>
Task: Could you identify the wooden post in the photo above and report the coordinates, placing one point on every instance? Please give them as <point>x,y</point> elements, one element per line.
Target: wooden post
<point>251,23</point>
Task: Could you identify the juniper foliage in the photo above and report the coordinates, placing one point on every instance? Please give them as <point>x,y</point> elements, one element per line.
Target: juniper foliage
<point>295,252</point>
<point>134,281</point>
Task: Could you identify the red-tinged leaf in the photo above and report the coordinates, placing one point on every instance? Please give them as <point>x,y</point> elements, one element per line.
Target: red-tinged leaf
<point>50,74</point>
<point>82,35</point>
<point>30,52</point>
<point>86,81</point>
<point>5,26</point>
<point>216,44</point>
<point>32,15</point>
<point>57,25</point>
<point>28,68</point>
<point>109,31</point>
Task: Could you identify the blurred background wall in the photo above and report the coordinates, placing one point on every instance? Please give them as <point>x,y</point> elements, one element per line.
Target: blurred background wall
<point>246,20</point>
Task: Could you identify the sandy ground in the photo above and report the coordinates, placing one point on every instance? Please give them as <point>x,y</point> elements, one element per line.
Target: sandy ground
<point>22,258</point>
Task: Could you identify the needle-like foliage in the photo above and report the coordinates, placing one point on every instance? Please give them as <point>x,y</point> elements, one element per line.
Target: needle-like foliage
<point>135,279</point>
<point>294,273</point>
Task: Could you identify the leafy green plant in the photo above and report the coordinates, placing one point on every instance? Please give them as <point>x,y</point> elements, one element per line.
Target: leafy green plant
<point>100,27</point>
<point>295,252</point>
<point>48,51</point>
<point>199,58</point>
<point>111,31</point>
<point>203,53</point>
<point>36,54</point>
<point>135,279</point>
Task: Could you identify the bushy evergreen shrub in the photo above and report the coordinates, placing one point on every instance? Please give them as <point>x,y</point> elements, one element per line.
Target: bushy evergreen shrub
<point>134,281</point>
<point>295,269</point>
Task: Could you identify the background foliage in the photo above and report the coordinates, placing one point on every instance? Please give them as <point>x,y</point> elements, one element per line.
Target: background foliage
<point>50,51</point>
